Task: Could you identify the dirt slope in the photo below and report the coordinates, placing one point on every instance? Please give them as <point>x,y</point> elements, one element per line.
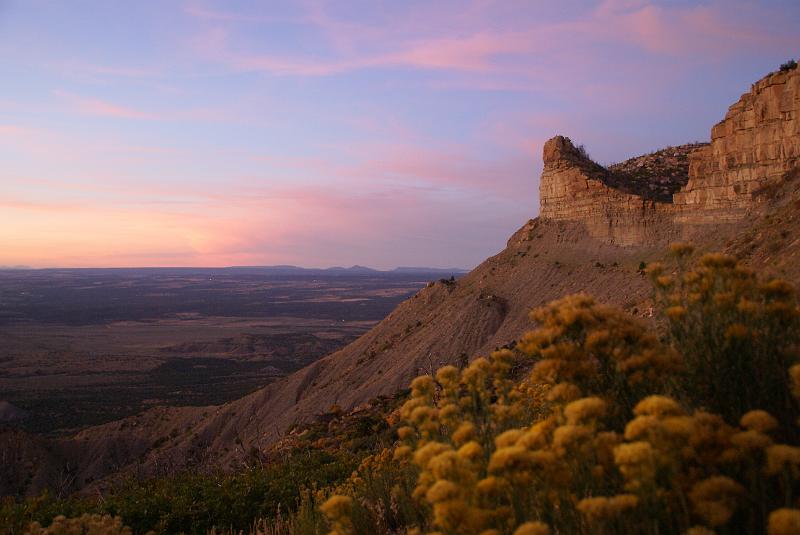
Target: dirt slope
<point>443,323</point>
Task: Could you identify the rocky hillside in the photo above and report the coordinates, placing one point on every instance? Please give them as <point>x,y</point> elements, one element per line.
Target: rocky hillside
<point>590,237</point>
<point>655,176</point>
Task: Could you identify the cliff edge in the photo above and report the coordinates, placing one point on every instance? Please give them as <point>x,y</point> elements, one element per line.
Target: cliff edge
<point>681,189</point>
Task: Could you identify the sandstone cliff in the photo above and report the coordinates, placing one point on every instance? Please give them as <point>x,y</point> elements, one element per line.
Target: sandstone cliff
<point>573,188</point>
<point>751,150</point>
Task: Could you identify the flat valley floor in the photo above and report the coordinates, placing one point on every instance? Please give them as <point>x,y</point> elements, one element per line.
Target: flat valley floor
<point>83,347</point>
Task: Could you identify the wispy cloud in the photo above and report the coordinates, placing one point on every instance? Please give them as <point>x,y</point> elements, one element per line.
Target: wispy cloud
<point>705,31</point>
<point>201,11</point>
<point>102,108</point>
<point>111,70</point>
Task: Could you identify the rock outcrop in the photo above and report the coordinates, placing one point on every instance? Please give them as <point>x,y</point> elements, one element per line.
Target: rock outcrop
<point>672,193</point>
<point>754,147</point>
<point>573,188</point>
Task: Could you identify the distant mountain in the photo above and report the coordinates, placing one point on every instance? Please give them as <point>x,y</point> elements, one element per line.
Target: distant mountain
<point>352,270</point>
<point>281,269</point>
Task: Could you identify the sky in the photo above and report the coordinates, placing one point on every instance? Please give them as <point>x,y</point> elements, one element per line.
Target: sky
<point>314,133</point>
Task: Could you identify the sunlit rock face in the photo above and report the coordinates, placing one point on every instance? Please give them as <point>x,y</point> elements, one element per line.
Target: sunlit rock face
<point>573,188</point>
<point>754,147</point>
<point>669,193</point>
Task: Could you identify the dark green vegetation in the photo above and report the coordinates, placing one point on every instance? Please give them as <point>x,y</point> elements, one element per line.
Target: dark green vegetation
<point>194,503</point>
<point>319,455</point>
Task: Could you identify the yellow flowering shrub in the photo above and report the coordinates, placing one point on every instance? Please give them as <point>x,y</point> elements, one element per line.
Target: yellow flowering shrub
<point>83,525</point>
<point>598,348</point>
<point>784,522</point>
<point>737,335</point>
<point>593,424</point>
<point>338,510</point>
<point>716,499</point>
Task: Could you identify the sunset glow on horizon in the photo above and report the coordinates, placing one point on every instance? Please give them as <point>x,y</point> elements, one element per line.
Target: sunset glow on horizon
<point>200,133</point>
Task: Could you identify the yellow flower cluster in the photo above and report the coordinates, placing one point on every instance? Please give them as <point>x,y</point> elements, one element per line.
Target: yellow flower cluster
<point>715,499</point>
<point>597,348</point>
<point>464,482</point>
<point>601,510</point>
<point>480,473</point>
<point>589,441</point>
<point>86,524</point>
<point>532,528</point>
<point>727,324</point>
<point>337,509</point>
<point>784,522</point>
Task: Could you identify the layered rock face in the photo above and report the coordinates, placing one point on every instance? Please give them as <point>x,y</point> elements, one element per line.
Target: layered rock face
<point>573,188</point>
<point>669,193</point>
<point>756,144</point>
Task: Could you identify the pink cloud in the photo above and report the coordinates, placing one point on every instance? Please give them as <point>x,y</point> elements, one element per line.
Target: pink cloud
<point>12,131</point>
<point>411,163</point>
<point>420,197</point>
<point>706,31</point>
<point>200,11</point>
<point>38,143</point>
<point>279,226</point>
<point>355,223</point>
<point>252,220</point>
<point>115,70</point>
<point>20,204</point>
<point>473,53</point>
<point>102,108</point>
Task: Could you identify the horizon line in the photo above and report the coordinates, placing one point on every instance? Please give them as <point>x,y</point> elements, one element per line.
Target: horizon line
<point>255,266</point>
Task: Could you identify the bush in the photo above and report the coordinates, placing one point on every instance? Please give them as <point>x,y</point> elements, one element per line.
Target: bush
<point>789,65</point>
<point>192,503</point>
<point>737,335</point>
<point>15,517</point>
<point>89,524</point>
<point>196,503</point>
<point>610,431</point>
